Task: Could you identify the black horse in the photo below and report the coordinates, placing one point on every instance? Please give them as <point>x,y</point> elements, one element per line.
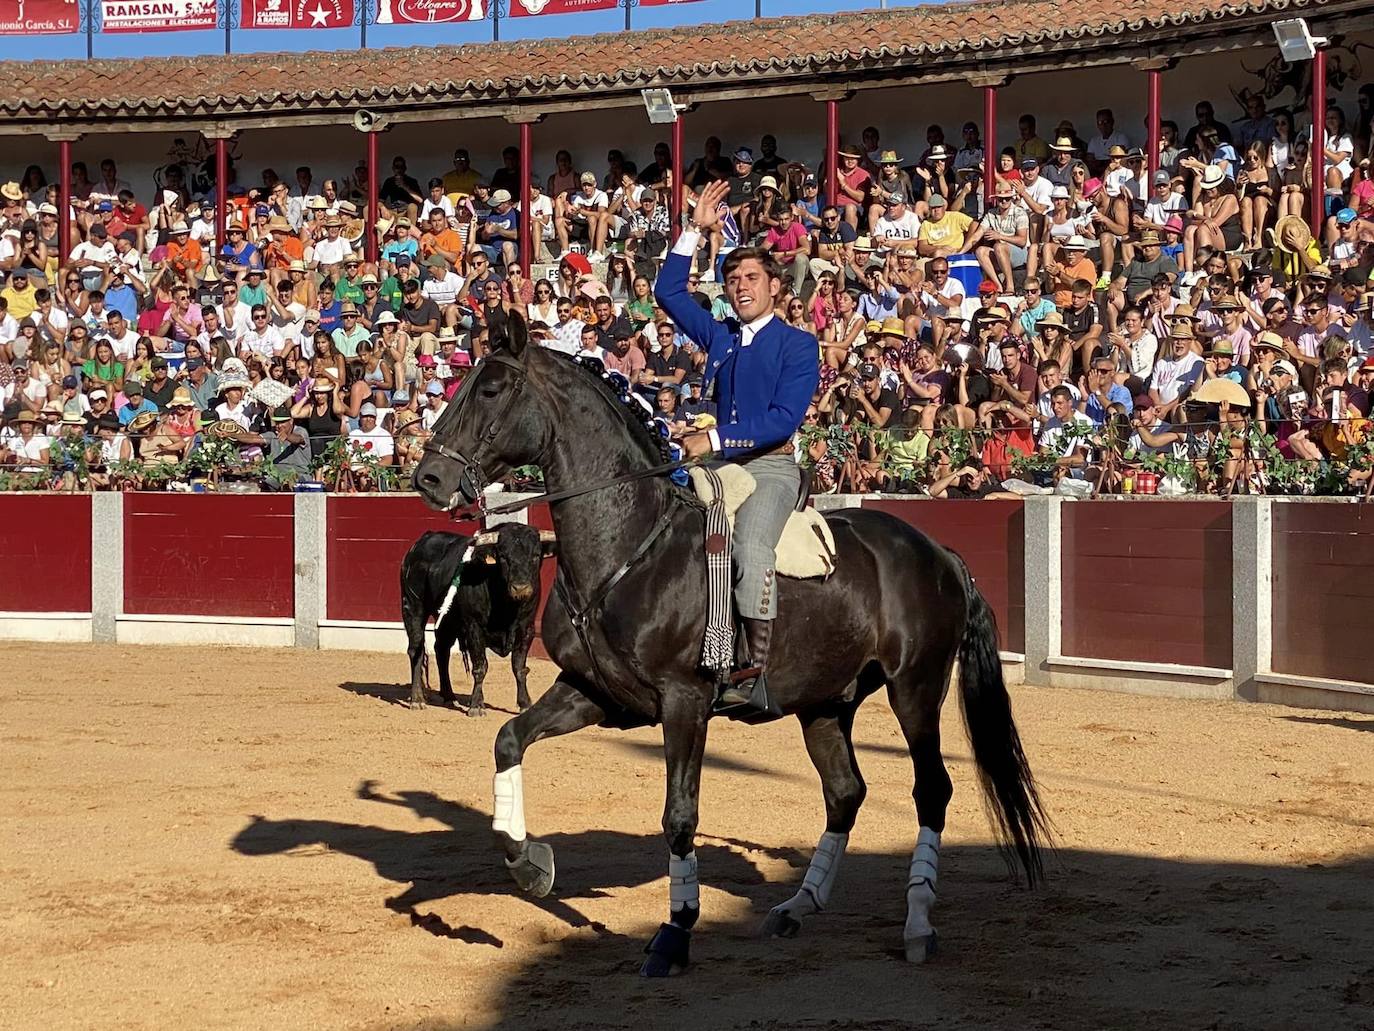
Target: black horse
<point>626,622</point>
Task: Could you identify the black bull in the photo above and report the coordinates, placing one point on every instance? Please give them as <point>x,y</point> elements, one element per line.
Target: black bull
<point>494,606</point>
<point>625,626</point>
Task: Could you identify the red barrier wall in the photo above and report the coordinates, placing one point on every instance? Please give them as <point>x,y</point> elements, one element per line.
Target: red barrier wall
<point>45,552</point>
<point>209,554</point>
<point>367,538</point>
<point>1147,581</point>
<point>540,519</point>
<point>990,537</point>
<point>1323,590</point>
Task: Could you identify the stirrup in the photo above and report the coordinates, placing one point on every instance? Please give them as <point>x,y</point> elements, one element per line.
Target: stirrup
<point>758,707</point>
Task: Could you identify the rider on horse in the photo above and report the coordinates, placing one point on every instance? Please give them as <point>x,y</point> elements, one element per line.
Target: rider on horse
<point>765,373</point>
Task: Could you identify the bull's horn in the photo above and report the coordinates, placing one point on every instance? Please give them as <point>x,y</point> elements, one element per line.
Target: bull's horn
<point>487,538</point>
<point>547,536</point>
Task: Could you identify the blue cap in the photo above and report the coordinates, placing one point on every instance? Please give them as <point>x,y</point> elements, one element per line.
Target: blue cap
<point>435,388</point>
<point>1345,216</point>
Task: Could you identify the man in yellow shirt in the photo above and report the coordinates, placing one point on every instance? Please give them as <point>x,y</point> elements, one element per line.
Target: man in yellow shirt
<point>19,294</point>
<point>945,232</point>
<point>1030,145</point>
<point>463,178</point>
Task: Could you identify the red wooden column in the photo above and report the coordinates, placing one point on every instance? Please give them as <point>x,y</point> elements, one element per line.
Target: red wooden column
<point>675,195</point>
<point>221,193</point>
<point>370,217</point>
<point>832,151</point>
<point>989,145</point>
<point>1317,154</point>
<point>1152,124</point>
<point>64,200</point>
<point>527,254</point>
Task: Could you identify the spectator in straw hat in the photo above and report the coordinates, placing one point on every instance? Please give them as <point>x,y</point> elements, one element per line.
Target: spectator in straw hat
<point>854,185</point>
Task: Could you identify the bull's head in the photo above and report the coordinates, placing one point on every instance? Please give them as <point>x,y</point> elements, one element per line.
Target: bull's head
<point>516,551</point>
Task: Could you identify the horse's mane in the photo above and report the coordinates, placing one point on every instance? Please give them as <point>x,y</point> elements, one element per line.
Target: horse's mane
<point>640,426</point>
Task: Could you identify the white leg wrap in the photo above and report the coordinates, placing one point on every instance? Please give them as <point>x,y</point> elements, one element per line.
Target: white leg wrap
<point>820,877</point>
<point>920,884</point>
<point>509,789</point>
<point>684,891</point>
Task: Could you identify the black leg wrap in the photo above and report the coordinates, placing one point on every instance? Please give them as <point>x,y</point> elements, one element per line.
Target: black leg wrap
<point>668,952</point>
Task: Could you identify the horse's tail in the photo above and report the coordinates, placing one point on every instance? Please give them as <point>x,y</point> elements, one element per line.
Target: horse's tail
<point>1008,787</point>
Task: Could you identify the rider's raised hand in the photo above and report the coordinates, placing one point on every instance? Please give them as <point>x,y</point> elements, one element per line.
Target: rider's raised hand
<point>706,215</point>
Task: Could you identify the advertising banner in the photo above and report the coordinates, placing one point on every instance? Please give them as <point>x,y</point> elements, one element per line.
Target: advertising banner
<point>297,14</point>
<point>421,12</point>
<point>525,8</point>
<point>158,15</point>
<point>39,17</point>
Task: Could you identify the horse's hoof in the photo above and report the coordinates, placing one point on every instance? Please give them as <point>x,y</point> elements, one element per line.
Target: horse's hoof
<point>417,701</point>
<point>534,870</point>
<point>477,711</point>
<point>918,950</point>
<point>668,952</point>
<point>780,924</point>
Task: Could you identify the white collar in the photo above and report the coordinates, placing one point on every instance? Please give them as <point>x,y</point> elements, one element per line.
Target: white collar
<point>758,323</point>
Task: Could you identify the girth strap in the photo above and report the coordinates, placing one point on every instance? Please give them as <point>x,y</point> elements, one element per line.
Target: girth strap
<point>580,616</point>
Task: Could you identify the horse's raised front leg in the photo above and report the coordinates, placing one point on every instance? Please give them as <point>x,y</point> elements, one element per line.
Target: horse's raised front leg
<point>562,709</point>
<point>685,712</point>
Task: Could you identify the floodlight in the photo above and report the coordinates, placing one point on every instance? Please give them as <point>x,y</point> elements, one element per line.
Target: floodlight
<point>1296,43</point>
<point>658,103</point>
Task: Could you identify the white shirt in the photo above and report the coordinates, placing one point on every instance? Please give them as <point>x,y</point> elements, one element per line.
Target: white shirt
<point>238,414</point>
<point>443,291</point>
<point>443,204</point>
<point>596,200</point>
<point>9,328</point>
<point>123,346</point>
<point>236,321</point>
<point>904,228</point>
<point>332,252</point>
<point>1143,353</point>
<point>1158,212</point>
<point>1038,191</point>
<point>542,207</point>
<point>268,343</point>
<point>429,416</point>
<point>87,251</point>
<point>1173,374</point>
<point>1044,406</point>
<point>1050,439</point>
<point>383,444</point>
<point>32,449</point>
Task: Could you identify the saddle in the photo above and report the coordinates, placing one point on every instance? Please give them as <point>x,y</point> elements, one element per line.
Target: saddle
<point>807,546</point>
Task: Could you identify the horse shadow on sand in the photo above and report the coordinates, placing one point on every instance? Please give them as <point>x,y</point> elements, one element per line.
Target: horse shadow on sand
<point>1109,941</point>
<point>464,859</point>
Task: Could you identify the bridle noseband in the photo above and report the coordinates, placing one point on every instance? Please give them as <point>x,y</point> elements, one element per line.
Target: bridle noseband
<point>471,480</point>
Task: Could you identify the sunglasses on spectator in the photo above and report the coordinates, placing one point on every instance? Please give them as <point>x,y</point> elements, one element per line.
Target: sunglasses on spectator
<point>263,318</point>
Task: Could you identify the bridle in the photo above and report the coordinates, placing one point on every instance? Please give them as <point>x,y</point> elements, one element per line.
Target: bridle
<point>471,480</point>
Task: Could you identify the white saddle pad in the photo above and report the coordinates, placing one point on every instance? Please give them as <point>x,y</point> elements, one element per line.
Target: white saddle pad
<point>801,553</point>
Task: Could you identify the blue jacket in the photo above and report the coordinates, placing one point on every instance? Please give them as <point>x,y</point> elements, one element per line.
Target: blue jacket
<point>761,390</point>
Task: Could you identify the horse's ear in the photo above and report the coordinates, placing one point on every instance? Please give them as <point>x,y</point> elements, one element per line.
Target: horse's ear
<point>510,333</point>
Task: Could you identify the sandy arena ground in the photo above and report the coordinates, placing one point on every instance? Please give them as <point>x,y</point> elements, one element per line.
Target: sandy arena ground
<point>203,838</point>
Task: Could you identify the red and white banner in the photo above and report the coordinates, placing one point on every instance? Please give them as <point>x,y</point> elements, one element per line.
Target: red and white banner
<point>39,17</point>
<point>525,8</point>
<point>297,14</point>
<point>158,15</point>
<point>421,12</point>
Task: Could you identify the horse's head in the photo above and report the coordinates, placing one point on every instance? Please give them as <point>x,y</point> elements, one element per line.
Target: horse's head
<point>489,428</point>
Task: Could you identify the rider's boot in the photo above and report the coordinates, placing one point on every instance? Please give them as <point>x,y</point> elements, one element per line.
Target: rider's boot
<point>758,636</point>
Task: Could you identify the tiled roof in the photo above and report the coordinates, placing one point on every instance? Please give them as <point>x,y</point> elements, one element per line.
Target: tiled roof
<point>746,51</point>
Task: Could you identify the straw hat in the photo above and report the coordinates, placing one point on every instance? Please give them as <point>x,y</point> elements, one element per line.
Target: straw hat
<point>405,418</point>
<point>179,228</point>
<point>937,153</point>
<point>1268,341</point>
<point>1052,319</point>
<point>847,152</point>
<point>1116,151</point>
<point>1149,238</point>
<point>226,429</point>
<point>767,183</point>
<point>26,416</point>
<point>142,423</point>
<point>181,398</point>
<point>1215,391</point>
<point>1075,243</point>
<point>1063,143</point>
<point>1292,233</point>
<point>12,191</point>
<point>278,224</point>
<point>889,157</point>
<point>1212,177</point>
<point>893,327</point>
<point>1182,331</point>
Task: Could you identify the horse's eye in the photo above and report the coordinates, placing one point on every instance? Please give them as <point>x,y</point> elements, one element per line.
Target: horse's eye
<point>490,392</point>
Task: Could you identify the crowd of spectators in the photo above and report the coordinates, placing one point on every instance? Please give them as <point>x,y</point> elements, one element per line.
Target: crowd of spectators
<point>1075,324</point>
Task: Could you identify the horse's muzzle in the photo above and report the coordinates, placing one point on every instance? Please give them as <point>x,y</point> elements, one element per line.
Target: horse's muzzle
<point>444,484</point>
